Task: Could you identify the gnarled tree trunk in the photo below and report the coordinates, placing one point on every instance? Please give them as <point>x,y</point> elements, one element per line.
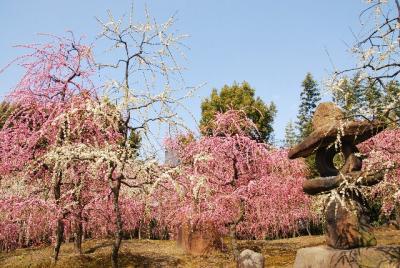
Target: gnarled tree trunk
<point>118,224</point>
<point>78,234</point>
<point>60,224</point>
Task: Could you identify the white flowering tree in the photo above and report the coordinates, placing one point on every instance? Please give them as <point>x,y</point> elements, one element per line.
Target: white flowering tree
<point>377,68</point>
<point>75,147</point>
<point>375,81</point>
<point>146,56</point>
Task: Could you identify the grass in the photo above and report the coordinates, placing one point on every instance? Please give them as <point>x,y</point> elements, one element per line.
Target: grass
<point>161,253</point>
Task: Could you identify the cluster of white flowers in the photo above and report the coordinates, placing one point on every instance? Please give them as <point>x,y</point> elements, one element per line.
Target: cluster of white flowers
<point>202,157</point>
<point>199,183</point>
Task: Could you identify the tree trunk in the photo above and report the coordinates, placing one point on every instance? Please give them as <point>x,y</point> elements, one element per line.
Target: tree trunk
<point>308,228</point>
<point>59,238</point>
<point>60,224</point>
<point>232,230</point>
<point>140,230</point>
<point>78,235</point>
<point>78,223</point>
<point>21,234</point>
<point>118,231</point>
<point>232,234</point>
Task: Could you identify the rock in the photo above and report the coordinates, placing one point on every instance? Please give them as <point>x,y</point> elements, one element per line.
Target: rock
<point>319,185</point>
<point>325,114</point>
<point>198,242</point>
<point>353,163</point>
<point>347,221</point>
<point>324,160</point>
<point>324,256</point>
<point>250,259</point>
<point>325,184</point>
<point>352,132</point>
<point>346,212</point>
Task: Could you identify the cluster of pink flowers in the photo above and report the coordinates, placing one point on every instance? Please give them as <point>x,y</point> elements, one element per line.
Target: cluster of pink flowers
<point>383,153</point>
<point>229,178</point>
<point>54,105</point>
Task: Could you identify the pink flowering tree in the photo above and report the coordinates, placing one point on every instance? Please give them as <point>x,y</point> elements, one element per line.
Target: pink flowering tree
<point>73,148</point>
<point>56,106</point>
<point>383,153</point>
<point>231,184</point>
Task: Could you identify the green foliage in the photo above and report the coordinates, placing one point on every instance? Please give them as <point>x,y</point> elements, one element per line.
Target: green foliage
<point>310,96</point>
<point>238,97</point>
<point>373,100</point>
<point>357,96</point>
<point>290,135</point>
<point>350,95</point>
<point>312,168</point>
<point>134,141</point>
<point>392,96</point>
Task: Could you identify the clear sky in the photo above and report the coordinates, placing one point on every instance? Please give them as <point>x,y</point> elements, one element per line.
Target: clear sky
<point>270,44</point>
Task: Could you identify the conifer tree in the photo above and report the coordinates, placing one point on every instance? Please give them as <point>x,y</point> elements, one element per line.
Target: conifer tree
<point>350,94</point>
<point>290,135</point>
<point>373,99</point>
<point>310,96</point>
<point>392,95</point>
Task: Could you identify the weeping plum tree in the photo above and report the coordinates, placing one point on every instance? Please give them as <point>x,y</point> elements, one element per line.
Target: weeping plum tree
<point>56,81</point>
<point>72,148</point>
<point>231,184</point>
<point>59,146</point>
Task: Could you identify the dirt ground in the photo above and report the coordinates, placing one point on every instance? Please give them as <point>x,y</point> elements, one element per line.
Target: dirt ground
<point>157,253</point>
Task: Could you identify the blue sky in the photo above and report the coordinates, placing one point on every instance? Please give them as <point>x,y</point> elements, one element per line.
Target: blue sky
<point>270,44</point>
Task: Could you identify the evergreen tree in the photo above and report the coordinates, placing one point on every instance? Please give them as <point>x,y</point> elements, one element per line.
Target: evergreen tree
<point>349,96</point>
<point>392,97</point>
<point>373,99</point>
<point>357,96</point>
<point>310,96</point>
<point>290,135</point>
<point>238,97</point>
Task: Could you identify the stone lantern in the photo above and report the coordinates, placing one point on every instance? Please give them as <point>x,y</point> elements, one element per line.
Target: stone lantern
<point>346,210</point>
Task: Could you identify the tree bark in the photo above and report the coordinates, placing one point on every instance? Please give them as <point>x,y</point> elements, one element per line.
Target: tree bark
<point>60,224</point>
<point>232,230</point>
<point>78,234</point>
<point>140,231</point>
<point>118,224</point>
<point>232,234</point>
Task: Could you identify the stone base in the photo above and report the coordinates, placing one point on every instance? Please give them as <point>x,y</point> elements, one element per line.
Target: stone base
<point>197,242</point>
<point>324,256</point>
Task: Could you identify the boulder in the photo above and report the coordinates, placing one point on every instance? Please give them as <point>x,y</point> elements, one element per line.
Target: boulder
<point>325,114</point>
<point>347,221</point>
<point>327,257</point>
<point>250,259</point>
<point>198,241</point>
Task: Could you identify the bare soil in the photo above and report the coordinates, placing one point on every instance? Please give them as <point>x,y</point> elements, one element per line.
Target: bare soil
<point>161,253</point>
